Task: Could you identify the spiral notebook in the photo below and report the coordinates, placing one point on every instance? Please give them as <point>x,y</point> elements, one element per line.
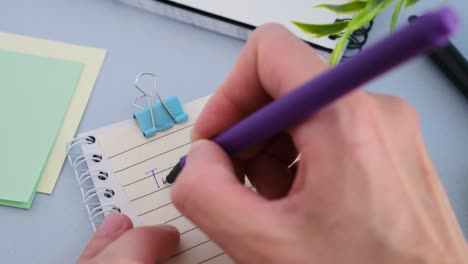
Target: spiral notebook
<point>118,169</point>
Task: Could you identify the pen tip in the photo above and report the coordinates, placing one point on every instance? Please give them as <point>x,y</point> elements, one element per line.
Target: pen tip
<point>171,177</point>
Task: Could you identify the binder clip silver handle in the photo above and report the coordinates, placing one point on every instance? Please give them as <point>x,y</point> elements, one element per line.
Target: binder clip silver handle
<point>161,117</point>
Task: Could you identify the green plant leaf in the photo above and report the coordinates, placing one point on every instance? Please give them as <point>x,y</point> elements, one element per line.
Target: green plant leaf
<point>410,3</point>
<point>320,30</point>
<point>365,10</point>
<point>347,8</point>
<point>340,45</point>
<point>372,9</point>
<point>396,14</point>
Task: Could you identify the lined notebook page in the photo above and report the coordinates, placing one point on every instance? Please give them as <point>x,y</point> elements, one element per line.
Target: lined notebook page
<point>140,165</point>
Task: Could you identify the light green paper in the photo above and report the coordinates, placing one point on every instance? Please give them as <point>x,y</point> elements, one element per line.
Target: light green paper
<point>25,205</point>
<point>34,96</point>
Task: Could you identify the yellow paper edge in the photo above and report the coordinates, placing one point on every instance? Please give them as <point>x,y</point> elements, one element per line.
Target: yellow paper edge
<point>92,58</point>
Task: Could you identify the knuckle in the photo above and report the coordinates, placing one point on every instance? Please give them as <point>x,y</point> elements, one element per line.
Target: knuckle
<point>399,109</point>
<point>362,108</point>
<point>405,111</point>
<point>89,259</point>
<point>268,33</point>
<point>268,29</point>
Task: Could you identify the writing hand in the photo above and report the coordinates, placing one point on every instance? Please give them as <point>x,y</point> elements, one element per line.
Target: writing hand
<point>364,190</point>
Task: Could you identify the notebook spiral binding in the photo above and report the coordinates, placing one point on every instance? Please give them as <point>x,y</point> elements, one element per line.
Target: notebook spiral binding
<point>92,195</point>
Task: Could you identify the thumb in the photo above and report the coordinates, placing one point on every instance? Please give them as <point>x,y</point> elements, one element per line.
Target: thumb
<point>208,193</point>
<point>148,244</point>
<point>113,227</point>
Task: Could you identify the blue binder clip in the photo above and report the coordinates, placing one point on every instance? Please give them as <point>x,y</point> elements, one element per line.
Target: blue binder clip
<point>158,116</point>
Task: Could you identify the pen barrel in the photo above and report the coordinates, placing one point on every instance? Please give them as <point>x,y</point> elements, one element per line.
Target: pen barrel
<point>452,63</point>
<point>429,31</point>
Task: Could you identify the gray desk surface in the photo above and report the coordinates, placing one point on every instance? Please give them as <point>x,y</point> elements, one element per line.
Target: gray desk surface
<point>190,63</point>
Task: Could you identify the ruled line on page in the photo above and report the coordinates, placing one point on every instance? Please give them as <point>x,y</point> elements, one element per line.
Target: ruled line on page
<point>160,154</point>
<point>149,141</point>
<point>189,230</point>
<point>146,177</point>
<point>190,248</point>
<point>206,260</point>
<point>159,207</point>
<point>153,192</point>
<point>175,218</point>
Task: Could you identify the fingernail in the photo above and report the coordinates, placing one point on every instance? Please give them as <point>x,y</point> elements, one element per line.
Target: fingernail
<point>113,223</point>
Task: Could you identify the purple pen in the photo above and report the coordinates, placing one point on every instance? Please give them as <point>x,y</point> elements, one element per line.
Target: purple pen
<point>429,31</point>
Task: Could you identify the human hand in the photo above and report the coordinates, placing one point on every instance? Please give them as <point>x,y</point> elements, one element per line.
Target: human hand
<point>364,190</point>
<point>116,241</point>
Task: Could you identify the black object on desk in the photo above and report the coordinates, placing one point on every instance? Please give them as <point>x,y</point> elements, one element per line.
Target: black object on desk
<point>451,62</point>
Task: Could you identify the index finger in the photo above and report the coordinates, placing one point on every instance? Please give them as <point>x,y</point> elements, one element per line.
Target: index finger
<point>273,62</point>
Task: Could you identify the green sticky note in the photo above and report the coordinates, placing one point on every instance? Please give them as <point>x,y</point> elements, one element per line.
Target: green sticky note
<point>34,96</point>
